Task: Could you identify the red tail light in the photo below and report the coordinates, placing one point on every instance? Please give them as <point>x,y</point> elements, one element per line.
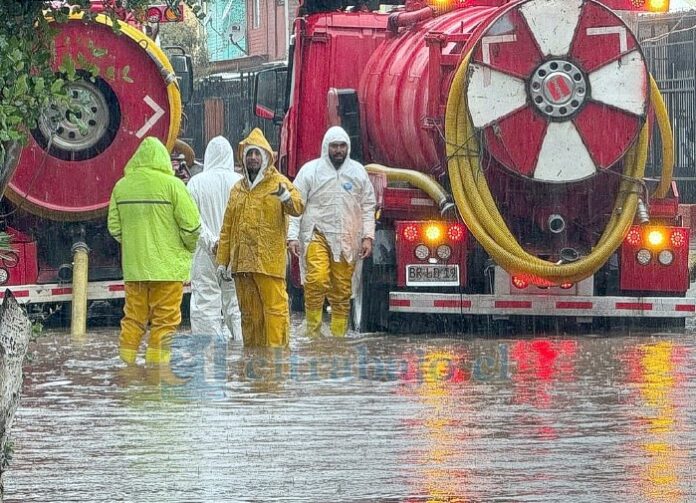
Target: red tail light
<point>519,282</point>
<point>410,233</point>
<point>679,238</point>
<point>633,237</point>
<point>455,232</point>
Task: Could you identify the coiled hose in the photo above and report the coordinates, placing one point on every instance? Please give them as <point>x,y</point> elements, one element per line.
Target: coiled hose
<point>480,213</point>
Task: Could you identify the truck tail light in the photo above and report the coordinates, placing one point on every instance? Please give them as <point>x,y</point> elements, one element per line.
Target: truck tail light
<point>519,283</point>
<point>633,237</point>
<point>643,256</point>
<point>444,252</point>
<point>455,232</point>
<point>678,238</point>
<point>656,237</point>
<point>657,5</point>
<point>422,252</point>
<point>433,233</point>
<point>665,257</point>
<point>410,233</point>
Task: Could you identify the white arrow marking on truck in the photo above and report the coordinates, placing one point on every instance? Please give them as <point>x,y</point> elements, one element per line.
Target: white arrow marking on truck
<point>159,112</point>
<point>612,30</point>
<point>486,49</point>
<point>494,39</point>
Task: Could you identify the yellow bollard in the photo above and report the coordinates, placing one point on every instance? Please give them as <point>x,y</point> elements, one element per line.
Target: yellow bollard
<point>78,320</point>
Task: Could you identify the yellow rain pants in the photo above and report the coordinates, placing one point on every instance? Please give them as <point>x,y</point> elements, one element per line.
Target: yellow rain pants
<point>263,302</point>
<point>327,279</point>
<point>156,302</point>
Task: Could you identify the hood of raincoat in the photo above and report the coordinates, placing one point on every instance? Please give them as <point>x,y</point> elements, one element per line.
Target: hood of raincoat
<point>218,155</point>
<point>256,139</point>
<point>150,155</point>
<point>335,134</point>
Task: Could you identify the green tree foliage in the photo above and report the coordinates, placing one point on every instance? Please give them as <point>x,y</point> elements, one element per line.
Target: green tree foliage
<point>27,81</point>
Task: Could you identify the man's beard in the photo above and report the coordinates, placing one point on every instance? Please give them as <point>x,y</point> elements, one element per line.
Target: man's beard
<point>253,173</point>
<point>337,160</point>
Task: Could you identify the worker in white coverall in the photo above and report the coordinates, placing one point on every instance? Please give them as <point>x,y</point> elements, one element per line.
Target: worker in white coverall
<point>214,305</point>
<point>336,229</point>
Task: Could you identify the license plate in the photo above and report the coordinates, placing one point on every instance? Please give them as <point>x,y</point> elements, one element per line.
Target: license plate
<point>432,275</point>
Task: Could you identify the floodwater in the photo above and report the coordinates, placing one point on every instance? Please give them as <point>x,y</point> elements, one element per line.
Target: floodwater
<point>372,418</point>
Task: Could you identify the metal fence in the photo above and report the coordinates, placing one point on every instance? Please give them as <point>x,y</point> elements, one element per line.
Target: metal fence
<point>224,106</point>
<point>669,45</point>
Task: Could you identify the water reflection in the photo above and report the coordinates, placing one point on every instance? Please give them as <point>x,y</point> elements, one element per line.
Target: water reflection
<point>656,368</point>
<point>376,418</point>
<point>539,365</point>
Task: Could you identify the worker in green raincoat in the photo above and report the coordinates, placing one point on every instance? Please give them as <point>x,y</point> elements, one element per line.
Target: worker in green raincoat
<point>157,223</point>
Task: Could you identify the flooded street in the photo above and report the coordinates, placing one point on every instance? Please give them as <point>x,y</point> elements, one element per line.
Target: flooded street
<point>375,418</point>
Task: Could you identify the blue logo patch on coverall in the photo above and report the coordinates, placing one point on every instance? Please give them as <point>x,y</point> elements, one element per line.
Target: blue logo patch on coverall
<point>348,186</point>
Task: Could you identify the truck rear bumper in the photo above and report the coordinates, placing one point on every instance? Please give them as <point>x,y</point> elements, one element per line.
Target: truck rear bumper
<point>535,305</point>
<point>62,292</point>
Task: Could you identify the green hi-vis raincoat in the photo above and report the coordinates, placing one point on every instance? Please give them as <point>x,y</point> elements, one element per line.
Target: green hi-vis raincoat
<point>154,218</point>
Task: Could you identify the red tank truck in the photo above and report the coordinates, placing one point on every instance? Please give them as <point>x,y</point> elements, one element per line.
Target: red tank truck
<point>55,205</point>
<point>507,143</point>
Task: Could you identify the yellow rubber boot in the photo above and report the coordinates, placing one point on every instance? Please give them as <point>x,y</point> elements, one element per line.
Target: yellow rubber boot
<point>128,355</point>
<point>157,356</point>
<point>339,326</point>
<point>162,374</point>
<point>314,319</point>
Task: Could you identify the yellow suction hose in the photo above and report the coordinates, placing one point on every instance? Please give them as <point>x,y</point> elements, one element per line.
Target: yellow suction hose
<point>417,179</point>
<point>480,213</point>
<point>666,138</point>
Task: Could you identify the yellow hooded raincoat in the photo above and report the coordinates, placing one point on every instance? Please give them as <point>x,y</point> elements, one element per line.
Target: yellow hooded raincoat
<point>253,246</point>
<point>252,238</point>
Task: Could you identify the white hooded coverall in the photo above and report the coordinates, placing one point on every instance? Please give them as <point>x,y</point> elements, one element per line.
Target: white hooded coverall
<point>340,205</point>
<point>214,305</point>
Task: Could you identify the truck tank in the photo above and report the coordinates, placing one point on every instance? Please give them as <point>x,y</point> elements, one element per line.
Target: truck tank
<point>535,118</point>
<point>542,101</point>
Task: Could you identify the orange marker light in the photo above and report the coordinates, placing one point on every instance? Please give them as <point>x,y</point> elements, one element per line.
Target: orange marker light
<point>658,5</point>
<point>656,237</point>
<point>433,232</point>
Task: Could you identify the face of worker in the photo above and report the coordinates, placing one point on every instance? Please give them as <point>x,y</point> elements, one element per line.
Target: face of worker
<point>253,161</point>
<point>338,151</point>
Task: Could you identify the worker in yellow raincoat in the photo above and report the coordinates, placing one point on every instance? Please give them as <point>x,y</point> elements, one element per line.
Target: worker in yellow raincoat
<point>157,223</point>
<point>252,248</point>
